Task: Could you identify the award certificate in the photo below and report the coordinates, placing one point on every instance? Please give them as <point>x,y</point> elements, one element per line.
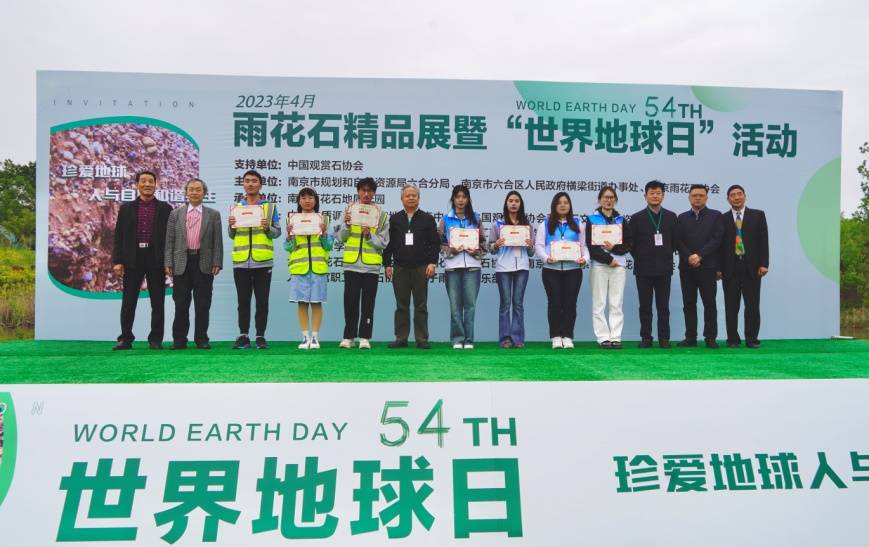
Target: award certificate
<point>305,224</point>
<point>601,233</point>
<point>247,216</point>
<point>565,250</point>
<point>367,216</point>
<point>464,239</point>
<point>515,236</point>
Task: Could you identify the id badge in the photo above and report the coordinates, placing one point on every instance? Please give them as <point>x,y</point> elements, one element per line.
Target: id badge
<point>659,239</point>
<point>408,239</point>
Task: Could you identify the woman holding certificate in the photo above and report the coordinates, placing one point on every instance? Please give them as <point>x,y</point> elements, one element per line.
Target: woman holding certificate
<point>513,244</point>
<point>309,246</point>
<point>608,242</point>
<point>463,244</point>
<point>559,244</point>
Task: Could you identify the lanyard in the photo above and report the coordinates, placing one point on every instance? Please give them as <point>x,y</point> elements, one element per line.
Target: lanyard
<point>657,224</point>
<point>409,220</point>
<point>562,229</point>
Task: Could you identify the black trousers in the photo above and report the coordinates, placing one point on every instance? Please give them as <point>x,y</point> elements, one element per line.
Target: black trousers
<point>198,285</point>
<point>146,268</point>
<point>254,281</point>
<point>657,287</point>
<point>562,292</point>
<point>692,281</point>
<point>741,286</point>
<point>359,288</point>
<point>407,282</point>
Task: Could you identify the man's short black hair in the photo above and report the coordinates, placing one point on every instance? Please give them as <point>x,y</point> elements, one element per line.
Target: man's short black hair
<point>735,187</point>
<point>254,174</point>
<point>367,181</point>
<point>140,173</point>
<point>698,187</point>
<point>654,184</point>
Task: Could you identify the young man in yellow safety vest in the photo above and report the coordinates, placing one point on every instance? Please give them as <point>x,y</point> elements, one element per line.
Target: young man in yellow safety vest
<point>252,261</point>
<point>363,257</point>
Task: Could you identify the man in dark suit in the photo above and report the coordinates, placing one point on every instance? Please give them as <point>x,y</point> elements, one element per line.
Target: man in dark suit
<point>411,258</point>
<point>194,255</point>
<point>137,253</point>
<point>654,232</point>
<point>699,245</point>
<point>744,262</point>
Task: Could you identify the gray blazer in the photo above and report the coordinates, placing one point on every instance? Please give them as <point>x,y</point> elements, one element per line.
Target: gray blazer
<point>210,240</point>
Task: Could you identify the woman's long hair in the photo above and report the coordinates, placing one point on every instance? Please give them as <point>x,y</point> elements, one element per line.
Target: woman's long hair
<point>553,214</point>
<point>520,214</point>
<point>308,192</point>
<point>469,209</point>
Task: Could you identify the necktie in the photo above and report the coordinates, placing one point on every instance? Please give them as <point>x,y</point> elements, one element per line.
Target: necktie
<point>740,245</point>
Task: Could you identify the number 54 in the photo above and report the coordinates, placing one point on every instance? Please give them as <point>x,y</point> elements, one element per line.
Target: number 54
<point>425,427</point>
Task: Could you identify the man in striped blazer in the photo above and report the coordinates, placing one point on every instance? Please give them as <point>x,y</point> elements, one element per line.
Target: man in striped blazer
<point>194,255</point>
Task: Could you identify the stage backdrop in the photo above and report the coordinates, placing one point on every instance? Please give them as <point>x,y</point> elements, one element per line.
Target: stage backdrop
<point>95,130</point>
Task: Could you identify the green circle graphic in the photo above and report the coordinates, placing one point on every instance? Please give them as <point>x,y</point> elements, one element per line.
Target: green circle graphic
<point>819,204</point>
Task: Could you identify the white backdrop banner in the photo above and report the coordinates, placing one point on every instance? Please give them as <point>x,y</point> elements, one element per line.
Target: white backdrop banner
<point>557,464</point>
<point>95,130</point>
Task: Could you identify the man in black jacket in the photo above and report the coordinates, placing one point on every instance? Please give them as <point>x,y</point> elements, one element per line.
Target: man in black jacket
<point>744,262</point>
<point>410,259</point>
<point>654,231</point>
<point>137,253</point>
<point>699,245</point>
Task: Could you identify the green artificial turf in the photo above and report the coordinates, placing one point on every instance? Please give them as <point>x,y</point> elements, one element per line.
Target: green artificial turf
<point>51,362</point>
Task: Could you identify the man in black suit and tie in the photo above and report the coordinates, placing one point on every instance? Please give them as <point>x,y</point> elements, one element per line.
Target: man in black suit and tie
<point>137,253</point>
<point>744,261</point>
<point>699,246</point>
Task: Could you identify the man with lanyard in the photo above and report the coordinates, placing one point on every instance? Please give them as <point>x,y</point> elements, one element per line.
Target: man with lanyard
<point>413,246</point>
<point>137,254</point>
<point>654,232</point>
<point>699,244</point>
<point>252,261</point>
<point>363,256</point>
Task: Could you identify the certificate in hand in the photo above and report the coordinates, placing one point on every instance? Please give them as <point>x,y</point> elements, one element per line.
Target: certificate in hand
<point>367,216</point>
<point>247,216</point>
<point>601,233</point>
<point>565,250</point>
<point>464,239</point>
<point>305,224</point>
<point>515,236</point>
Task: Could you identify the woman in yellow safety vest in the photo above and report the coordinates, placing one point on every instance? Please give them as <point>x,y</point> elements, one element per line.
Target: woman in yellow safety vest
<point>309,266</point>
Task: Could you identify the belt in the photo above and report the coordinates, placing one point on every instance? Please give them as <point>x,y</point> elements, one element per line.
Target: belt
<point>144,245</point>
<point>193,251</point>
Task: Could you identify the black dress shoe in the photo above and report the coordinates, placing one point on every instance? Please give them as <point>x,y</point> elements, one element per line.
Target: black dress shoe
<point>731,344</point>
<point>397,344</point>
<point>155,345</point>
<point>606,344</point>
<point>752,345</point>
<point>664,344</point>
<point>179,345</point>
<point>711,343</point>
<point>422,345</point>
<point>122,344</point>
<point>616,345</point>
<point>203,345</point>
<point>645,344</point>
<point>687,343</point>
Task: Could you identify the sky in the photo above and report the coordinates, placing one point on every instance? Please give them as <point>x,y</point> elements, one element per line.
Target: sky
<point>803,44</point>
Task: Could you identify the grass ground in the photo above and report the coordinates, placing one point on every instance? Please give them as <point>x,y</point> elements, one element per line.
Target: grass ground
<point>50,362</point>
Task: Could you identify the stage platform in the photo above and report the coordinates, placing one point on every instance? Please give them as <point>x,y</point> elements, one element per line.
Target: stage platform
<point>77,362</point>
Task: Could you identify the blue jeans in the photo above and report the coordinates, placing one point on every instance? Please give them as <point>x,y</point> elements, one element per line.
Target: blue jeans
<point>463,285</point>
<point>511,287</point>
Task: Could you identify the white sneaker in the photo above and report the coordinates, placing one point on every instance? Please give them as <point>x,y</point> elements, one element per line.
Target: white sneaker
<point>346,343</point>
<point>458,345</point>
<point>306,343</point>
<point>557,343</point>
<point>468,345</point>
<point>567,343</point>
<point>364,344</point>
<point>315,344</point>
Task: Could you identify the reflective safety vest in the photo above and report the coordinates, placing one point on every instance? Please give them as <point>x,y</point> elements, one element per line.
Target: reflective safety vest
<point>253,242</point>
<point>370,254</point>
<point>308,255</point>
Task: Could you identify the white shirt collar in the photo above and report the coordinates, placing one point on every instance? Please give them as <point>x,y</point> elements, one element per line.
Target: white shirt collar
<point>198,208</point>
<point>738,211</point>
